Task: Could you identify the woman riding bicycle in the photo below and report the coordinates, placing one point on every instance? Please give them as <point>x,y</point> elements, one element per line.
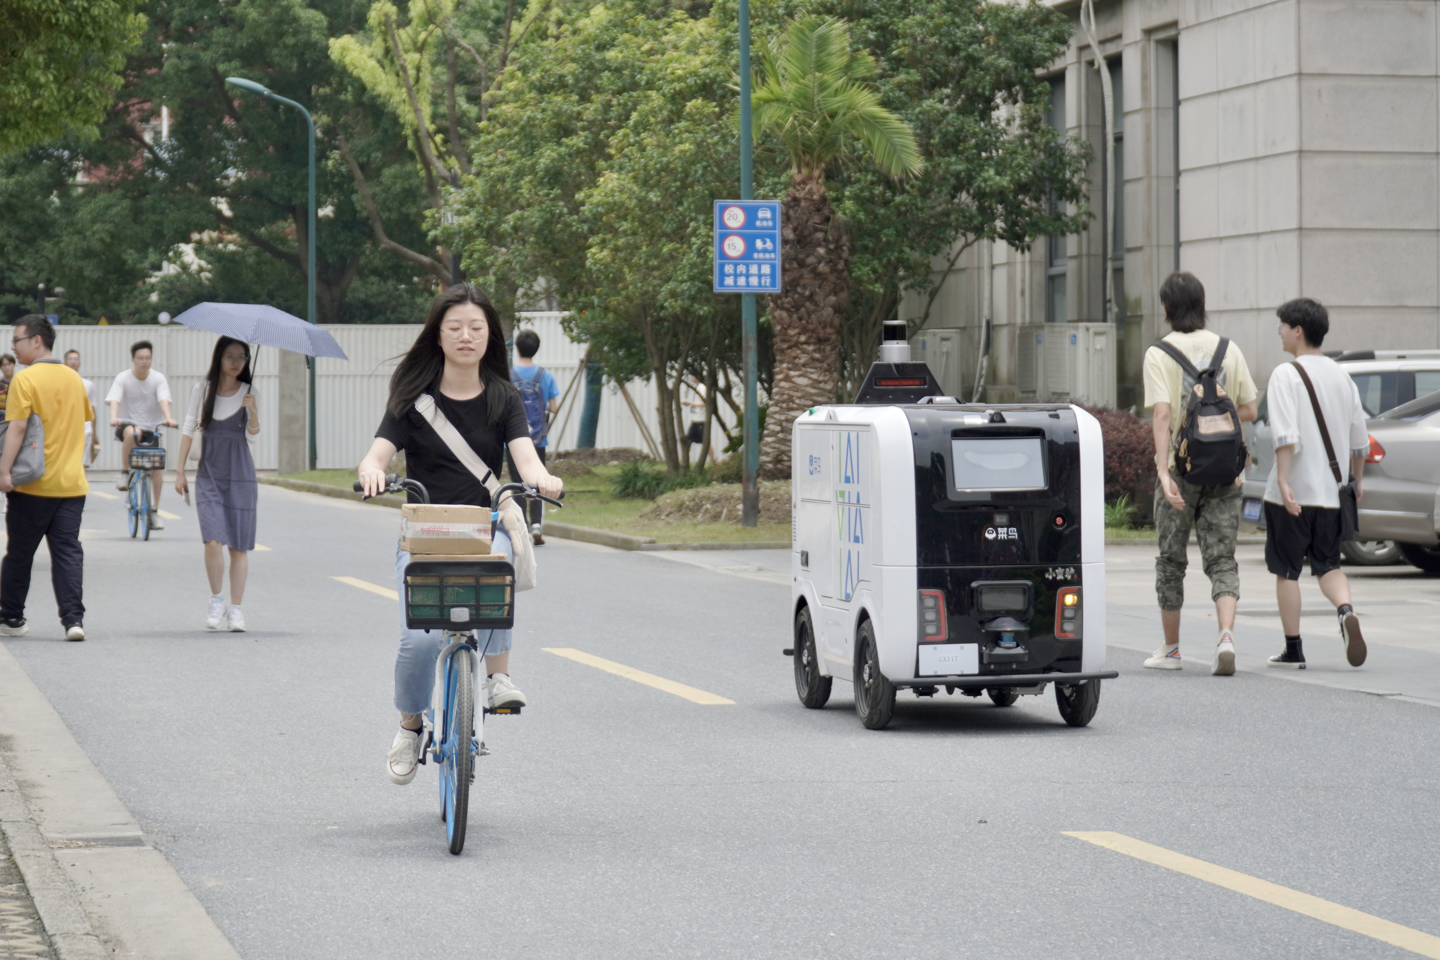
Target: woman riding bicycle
<point>459,359</point>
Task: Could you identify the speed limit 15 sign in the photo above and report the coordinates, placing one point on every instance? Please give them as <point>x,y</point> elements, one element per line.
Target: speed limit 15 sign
<point>747,246</point>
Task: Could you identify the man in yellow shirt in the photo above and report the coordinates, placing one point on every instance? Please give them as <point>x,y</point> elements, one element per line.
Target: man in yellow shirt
<point>1213,510</point>
<point>48,508</point>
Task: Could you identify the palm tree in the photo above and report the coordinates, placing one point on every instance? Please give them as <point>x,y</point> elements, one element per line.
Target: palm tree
<point>813,99</point>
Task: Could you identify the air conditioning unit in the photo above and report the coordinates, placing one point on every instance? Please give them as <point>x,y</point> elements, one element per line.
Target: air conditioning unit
<point>940,350</point>
<point>1067,361</point>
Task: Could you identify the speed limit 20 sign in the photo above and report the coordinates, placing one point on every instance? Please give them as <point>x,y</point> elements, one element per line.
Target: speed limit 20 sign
<point>747,246</point>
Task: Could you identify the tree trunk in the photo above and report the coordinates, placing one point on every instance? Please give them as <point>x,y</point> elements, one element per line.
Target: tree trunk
<point>806,314</point>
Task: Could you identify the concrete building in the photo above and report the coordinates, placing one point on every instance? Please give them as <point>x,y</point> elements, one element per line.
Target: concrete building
<point>1274,149</point>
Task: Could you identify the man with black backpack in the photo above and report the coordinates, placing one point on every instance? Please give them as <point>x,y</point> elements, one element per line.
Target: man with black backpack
<point>1313,492</point>
<point>1201,391</point>
<point>540,396</point>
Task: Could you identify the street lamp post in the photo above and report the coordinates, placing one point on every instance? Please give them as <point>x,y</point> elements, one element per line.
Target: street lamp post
<point>250,86</point>
<point>750,467</point>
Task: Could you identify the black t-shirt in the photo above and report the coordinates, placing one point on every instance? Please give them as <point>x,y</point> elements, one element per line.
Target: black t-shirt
<point>430,461</point>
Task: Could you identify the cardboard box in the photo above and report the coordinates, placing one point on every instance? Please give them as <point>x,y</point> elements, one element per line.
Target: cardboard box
<point>446,547</point>
<point>444,513</point>
<point>441,558</point>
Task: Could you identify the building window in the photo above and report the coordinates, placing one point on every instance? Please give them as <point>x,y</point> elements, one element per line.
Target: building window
<point>1056,248</point>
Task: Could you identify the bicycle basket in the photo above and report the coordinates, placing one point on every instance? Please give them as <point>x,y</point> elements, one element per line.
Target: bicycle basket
<point>459,594</point>
<point>147,458</point>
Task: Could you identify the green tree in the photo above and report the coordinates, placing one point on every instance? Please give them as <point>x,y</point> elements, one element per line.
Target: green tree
<point>815,101</point>
<point>967,78</point>
<point>60,65</point>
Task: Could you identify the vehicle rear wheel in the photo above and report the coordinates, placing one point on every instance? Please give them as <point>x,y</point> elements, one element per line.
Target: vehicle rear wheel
<point>1427,558</point>
<point>1077,701</point>
<point>1003,696</point>
<point>1371,553</point>
<point>874,694</point>
<point>812,688</point>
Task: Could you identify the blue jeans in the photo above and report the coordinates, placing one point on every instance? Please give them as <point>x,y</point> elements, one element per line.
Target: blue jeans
<point>415,661</point>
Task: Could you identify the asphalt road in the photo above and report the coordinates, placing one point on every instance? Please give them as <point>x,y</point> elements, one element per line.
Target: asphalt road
<point>614,819</point>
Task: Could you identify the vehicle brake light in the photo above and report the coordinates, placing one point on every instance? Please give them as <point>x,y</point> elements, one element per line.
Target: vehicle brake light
<point>1377,452</point>
<point>1068,614</point>
<point>933,628</point>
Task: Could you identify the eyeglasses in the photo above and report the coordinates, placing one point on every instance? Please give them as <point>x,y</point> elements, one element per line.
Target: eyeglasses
<point>476,333</point>
<point>18,340</point>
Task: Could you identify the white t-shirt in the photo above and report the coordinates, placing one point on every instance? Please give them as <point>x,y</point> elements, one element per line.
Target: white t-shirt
<point>140,399</point>
<point>225,407</point>
<point>1292,420</point>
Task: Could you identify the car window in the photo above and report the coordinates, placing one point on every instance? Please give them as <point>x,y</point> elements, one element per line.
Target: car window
<point>1416,409</point>
<point>1426,381</point>
<point>1380,391</point>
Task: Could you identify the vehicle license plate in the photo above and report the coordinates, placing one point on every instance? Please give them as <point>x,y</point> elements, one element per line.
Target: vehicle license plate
<point>1252,510</point>
<point>949,659</point>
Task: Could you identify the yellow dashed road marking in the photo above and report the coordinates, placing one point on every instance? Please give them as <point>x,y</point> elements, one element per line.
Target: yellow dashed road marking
<point>367,585</point>
<point>1424,944</point>
<point>639,676</point>
<point>167,515</point>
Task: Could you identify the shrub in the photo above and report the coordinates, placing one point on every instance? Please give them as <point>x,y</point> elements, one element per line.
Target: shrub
<point>643,480</point>
<point>1117,514</point>
<point>1129,456</point>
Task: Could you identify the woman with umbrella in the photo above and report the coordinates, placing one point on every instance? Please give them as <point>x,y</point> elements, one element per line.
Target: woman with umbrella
<point>224,418</point>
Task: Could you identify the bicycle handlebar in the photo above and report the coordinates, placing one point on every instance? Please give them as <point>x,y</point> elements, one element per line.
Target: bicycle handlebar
<point>394,483</point>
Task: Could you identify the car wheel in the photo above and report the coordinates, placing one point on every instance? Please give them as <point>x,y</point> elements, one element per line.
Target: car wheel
<point>813,689</point>
<point>874,693</point>
<point>1371,553</point>
<point>1427,558</point>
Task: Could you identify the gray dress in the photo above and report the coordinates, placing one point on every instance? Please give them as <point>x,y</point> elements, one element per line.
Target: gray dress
<point>225,490</point>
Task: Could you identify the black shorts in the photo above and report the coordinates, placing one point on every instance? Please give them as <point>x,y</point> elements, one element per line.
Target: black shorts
<point>1289,540</point>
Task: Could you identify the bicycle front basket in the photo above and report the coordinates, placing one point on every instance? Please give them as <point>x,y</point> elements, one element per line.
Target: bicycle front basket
<point>454,593</point>
<point>147,458</point>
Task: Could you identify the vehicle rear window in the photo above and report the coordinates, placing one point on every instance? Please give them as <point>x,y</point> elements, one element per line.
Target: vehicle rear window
<point>1380,391</point>
<point>1416,409</point>
<point>998,463</point>
<point>1426,381</point>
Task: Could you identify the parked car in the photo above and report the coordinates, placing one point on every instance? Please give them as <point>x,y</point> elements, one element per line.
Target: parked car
<point>1386,379</point>
<point>1401,485</point>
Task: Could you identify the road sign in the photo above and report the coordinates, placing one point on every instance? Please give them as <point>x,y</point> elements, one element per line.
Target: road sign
<point>747,246</point>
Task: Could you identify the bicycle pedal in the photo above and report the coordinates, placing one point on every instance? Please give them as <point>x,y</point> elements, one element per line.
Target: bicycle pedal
<point>511,711</point>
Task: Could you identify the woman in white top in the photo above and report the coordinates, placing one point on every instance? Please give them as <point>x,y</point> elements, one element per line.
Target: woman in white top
<point>223,414</point>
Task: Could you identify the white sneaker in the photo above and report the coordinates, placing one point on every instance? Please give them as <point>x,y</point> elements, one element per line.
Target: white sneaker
<point>14,628</point>
<point>404,756</point>
<point>216,614</point>
<point>155,522</point>
<point>74,632</point>
<point>235,622</point>
<point>1165,661</point>
<point>500,691</point>
<point>1223,664</point>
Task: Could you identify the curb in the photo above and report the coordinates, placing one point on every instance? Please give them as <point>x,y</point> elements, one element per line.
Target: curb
<point>64,920</point>
<point>553,528</point>
<point>1153,541</point>
<point>325,490</point>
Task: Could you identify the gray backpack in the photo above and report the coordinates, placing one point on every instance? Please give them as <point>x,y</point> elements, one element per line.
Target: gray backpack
<point>30,461</point>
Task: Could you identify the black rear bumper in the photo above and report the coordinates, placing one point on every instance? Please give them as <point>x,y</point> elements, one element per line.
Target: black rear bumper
<point>972,682</point>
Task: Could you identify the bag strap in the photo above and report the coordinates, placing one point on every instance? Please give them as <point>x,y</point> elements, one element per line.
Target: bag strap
<point>1219,357</point>
<point>430,410</point>
<point>1178,357</point>
<point>1320,418</point>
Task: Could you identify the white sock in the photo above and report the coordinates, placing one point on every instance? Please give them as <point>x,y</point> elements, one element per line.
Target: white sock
<point>216,596</point>
<point>1171,648</point>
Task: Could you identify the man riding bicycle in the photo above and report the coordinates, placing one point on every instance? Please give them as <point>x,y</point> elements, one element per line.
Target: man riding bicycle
<point>139,402</point>
<point>459,360</point>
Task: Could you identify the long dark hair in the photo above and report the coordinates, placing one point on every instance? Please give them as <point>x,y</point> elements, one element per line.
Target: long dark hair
<point>423,365</point>
<point>212,379</point>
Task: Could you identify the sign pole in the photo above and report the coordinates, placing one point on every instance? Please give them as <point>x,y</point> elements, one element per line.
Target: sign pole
<point>750,502</point>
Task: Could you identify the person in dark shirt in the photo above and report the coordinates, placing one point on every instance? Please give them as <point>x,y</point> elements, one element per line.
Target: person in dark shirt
<point>459,359</point>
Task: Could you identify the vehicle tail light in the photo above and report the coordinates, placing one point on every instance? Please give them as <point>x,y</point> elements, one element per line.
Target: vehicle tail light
<point>1068,614</point>
<point>933,628</point>
<point>1377,452</point>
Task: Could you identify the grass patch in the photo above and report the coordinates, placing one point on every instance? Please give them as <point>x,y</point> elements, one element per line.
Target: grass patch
<point>1129,533</point>
<point>344,479</point>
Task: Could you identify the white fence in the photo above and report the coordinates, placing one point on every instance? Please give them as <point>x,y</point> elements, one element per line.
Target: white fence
<point>350,394</point>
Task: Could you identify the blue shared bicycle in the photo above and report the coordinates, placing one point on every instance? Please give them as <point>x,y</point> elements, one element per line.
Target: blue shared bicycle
<point>458,595</point>
<point>146,455</point>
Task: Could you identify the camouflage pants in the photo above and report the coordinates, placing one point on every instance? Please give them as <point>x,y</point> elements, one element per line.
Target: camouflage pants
<point>1214,513</point>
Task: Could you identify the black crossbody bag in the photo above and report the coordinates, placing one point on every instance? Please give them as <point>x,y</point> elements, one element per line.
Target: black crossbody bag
<point>1349,502</point>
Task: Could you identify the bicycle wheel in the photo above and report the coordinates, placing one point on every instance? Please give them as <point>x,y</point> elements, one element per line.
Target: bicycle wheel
<point>457,736</point>
<point>144,484</point>
<point>131,508</point>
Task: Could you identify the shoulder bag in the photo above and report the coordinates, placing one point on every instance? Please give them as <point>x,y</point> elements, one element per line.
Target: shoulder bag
<point>1349,502</point>
<point>29,464</point>
<point>512,517</point>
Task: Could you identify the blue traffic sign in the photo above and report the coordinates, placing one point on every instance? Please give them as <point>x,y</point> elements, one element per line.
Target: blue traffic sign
<point>747,246</point>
